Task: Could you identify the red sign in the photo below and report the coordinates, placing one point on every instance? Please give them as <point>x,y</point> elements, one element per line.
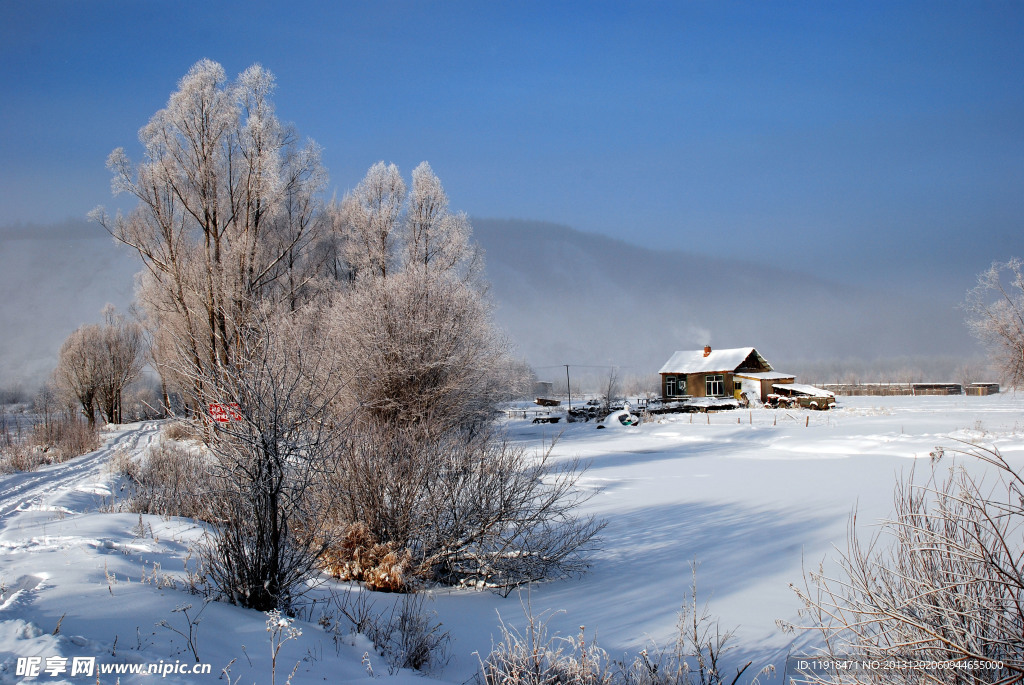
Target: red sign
<point>223,413</point>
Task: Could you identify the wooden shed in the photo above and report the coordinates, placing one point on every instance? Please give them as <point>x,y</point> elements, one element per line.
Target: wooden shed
<point>759,384</point>
<point>937,388</point>
<point>983,389</point>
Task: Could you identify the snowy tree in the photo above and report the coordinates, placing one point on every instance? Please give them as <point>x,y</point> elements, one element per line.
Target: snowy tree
<point>97,362</point>
<point>79,369</point>
<point>421,483</point>
<point>420,348</point>
<point>382,230</point>
<point>121,347</point>
<point>273,457</point>
<point>414,327</point>
<point>435,239</point>
<point>369,221</point>
<point>995,315</point>
<point>610,387</point>
<point>228,210</point>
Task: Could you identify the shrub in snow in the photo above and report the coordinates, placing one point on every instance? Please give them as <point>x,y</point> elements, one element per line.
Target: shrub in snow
<point>469,508</point>
<point>179,430</point>
<point>941,582</point>
<point>407,636</point>
<point>535,656</point>
<point>412,637</point>
<point>272,464</point>
<point>171,480</point>
<point>52,441</point>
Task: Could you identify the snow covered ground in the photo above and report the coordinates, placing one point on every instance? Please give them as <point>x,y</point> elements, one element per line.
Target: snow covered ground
<point>749,495</point>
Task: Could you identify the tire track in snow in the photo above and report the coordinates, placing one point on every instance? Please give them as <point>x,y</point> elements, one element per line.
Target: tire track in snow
<point>19,491</point>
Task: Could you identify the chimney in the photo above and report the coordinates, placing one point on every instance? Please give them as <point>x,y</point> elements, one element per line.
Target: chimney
<point>707,350</point>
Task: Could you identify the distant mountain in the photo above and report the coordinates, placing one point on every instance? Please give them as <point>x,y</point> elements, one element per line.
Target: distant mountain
<point>566,296</point>
<point>563,296</point>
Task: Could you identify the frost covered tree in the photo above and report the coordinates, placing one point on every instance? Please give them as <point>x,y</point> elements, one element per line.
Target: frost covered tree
<point>122,348</point>
<point>383,230</point>
<point>228,211</point>
<point>272,459</point>
<point>79,369</point>
<point>98,361</point>
<point>995,315</point>
<point>414,326</point>
<point>368,221</point>
<point>421,483</point>
<point>435,238</point>
<point>420,348</point>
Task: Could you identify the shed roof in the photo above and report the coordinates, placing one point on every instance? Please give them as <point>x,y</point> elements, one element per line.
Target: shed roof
<point>694,361</point>
<point>802,389</point>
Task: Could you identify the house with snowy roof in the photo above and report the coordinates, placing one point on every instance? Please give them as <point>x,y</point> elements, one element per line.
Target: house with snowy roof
<point>720,373</point>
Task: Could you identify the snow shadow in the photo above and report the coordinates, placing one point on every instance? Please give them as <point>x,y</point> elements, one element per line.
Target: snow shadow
<point>636,457</point>
<point>625,449</point>
<point>643,575</point>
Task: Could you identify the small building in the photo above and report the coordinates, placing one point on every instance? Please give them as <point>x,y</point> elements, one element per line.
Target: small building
<point>543,388</point>
<point>800,395</point>
<point>760,384</point>
<point>875,389</point>
<point>937,389</point>
<point>983,389</point>
<point>719,373</point>
<point>904,388</point>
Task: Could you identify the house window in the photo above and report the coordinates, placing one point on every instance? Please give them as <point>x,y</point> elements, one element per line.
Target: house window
<point>714,385</point>
<point>675,386</point>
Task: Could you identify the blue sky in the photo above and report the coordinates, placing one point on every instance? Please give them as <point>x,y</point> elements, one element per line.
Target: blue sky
<point>848,135</point>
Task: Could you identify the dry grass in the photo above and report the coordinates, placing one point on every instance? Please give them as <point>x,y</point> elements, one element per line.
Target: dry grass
<point>50,442</point>
<point>358,556</point>
<point>407,636</point>
<point>179,430</point>
<point>537,656</point>
<point>170,480</point>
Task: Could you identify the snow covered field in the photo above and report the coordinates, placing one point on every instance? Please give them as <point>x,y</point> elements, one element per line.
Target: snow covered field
<point>747,494</point>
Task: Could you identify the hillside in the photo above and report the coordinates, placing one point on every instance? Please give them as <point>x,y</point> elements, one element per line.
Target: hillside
<point>563,296</point>
<point>571,297</point>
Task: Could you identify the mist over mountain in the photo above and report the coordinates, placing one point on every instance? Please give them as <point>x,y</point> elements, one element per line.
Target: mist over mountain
<point>569,297</point>
<point>53,279</point>
<point>564,296</point>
